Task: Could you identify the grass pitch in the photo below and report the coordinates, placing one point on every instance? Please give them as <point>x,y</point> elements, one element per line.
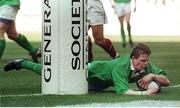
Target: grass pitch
<point>23,88</point>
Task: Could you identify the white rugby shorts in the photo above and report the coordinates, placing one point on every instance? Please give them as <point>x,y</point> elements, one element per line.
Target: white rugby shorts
<point>95,13</point>
<point>121,9</point>
<point>8,12</point>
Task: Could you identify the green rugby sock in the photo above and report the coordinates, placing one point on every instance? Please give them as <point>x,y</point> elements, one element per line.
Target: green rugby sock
<point>23,42</point>
<point>32,66</point>
<point>2,46</point>
<point>123,35</point>
<point>129,33</point>
<point>129,30</point>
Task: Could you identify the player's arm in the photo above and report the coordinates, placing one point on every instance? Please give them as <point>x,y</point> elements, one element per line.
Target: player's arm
<point>159,76</point>
<point>156,74</point>
<point>153,88</point>
<point>112,3</point>
<point>133,92</point>
<point>161,79</point>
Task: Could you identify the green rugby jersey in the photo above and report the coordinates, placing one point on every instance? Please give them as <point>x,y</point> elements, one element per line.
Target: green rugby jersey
<point>118,72</point>
<point>122,1</point>
<point>9,2</point>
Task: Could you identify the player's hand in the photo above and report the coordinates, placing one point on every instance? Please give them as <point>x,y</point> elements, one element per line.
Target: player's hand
<point>144,82</point>
<point>149,93</point>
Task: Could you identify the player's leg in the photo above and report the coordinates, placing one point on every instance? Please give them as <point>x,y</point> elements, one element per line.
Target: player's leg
<point>129,28</point>
<point>96,84</point>
<point>3,28</point>
<point>90,54</point>
<point>5,19</point>
<point>97,17</point>
<point>22,41</point>
<point>35,67</point>
<point>2,46</point>
<point>7,16</point>
<point>123,35</point>
<point>99,39</point>
<point>119,11</point>
<point>23,64</point>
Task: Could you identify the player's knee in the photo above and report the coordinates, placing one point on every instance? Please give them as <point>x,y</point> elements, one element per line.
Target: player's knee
<point>105,44</point>
<point>99,41</point>
<point>12,36</point>
<point>2,29</point>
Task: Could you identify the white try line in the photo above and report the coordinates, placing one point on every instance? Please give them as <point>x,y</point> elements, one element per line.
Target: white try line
<point>130,104</point>
<point>23,95</point>
<point>175,86</point>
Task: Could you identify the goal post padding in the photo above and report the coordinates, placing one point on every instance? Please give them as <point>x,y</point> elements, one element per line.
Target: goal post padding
<point>64,47</point>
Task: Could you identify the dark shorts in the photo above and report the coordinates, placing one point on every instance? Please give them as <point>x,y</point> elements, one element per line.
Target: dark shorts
<point>6,21</point>
<point>96,84</point>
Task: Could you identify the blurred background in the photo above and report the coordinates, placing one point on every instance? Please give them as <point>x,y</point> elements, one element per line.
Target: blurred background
<point>28,20</point>
<point>150,19</point>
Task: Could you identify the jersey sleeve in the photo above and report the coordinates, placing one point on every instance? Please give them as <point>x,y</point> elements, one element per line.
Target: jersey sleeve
<point>120,79</point>
<point>156,70</point>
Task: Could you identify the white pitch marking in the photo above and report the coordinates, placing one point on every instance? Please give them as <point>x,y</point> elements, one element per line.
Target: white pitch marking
<point>130,104</point>
<point>22,95</point>
<point>175,86</point>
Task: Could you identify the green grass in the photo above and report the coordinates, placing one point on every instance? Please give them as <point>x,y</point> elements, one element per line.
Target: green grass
<point>164,55</point>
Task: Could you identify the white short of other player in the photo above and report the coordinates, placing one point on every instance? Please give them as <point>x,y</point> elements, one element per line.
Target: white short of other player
<point>121,9</point>
<point>95,13</point>
<point>8,12</point>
